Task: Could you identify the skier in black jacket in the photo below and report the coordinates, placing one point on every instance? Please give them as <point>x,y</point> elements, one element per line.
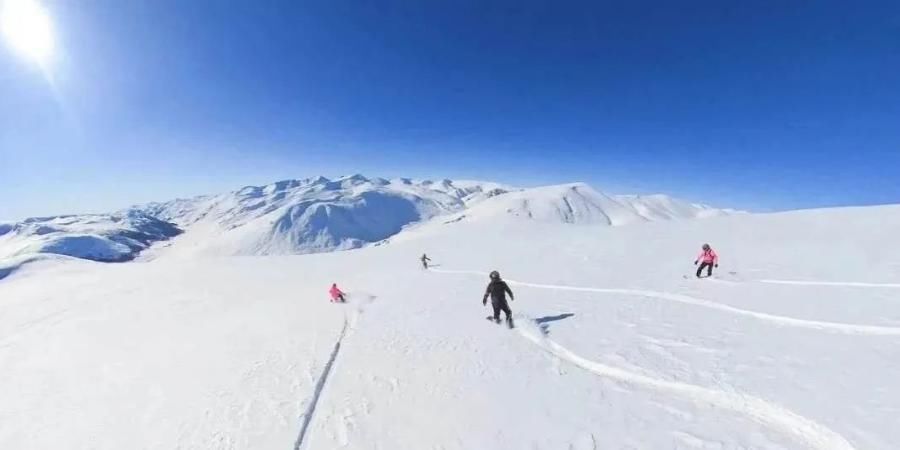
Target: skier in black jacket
<point>498,289</point>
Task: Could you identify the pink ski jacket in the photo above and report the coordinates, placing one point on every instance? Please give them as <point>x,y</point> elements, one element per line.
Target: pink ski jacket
<point>335,292</point>
<point>708,256</point>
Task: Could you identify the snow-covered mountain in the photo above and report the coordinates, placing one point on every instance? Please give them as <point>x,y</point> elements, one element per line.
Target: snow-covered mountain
<point>578,203</point>
<point>794,343</point>
<point>238,208</point>
<point>321,214</point>
<point>99,237</point>
<point>314,215</point>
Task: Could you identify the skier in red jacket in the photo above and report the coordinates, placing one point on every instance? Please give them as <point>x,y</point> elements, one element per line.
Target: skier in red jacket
<point>709,258</point>
<point>336,294</point>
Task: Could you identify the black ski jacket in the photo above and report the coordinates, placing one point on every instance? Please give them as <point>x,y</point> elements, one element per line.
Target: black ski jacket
<point>498,289</point>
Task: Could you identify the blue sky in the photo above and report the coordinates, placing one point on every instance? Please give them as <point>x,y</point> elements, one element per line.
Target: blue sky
<point>763,105</point>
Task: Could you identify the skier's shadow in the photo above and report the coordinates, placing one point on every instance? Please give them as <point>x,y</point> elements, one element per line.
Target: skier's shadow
<point>543,322</point>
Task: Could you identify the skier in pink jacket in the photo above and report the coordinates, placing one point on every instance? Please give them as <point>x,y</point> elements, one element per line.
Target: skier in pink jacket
<point>709,258</point>
<point>336,294</point>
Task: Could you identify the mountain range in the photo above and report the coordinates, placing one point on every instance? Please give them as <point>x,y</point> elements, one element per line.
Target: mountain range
<point>320,215</point>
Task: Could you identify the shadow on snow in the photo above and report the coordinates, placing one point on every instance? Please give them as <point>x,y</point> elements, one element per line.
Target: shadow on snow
<point>543,322</point>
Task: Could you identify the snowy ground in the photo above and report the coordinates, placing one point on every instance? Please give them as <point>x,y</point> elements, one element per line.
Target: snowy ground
<point>798,348</point>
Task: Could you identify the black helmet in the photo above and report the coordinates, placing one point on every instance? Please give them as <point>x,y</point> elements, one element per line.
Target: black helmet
<point>706,247</point>
<point>495,275</point>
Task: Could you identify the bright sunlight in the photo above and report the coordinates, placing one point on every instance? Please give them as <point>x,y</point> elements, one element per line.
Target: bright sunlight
<point>27,29</point>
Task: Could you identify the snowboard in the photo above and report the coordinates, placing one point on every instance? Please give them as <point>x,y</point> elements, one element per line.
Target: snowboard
<point>730,276</point>
<point>509,323</point>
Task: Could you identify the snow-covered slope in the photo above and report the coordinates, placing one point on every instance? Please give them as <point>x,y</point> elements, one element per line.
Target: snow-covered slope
<point>578,203</point>
<point>98,237</point>
<point>313,215</point>
<point>317,215</point>
<point>320,215</point>
<point>795,344</point>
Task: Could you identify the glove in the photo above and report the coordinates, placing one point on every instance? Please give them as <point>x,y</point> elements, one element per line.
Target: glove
<point>695,262</point>
<point>484,302</point>
<point>717,266</point>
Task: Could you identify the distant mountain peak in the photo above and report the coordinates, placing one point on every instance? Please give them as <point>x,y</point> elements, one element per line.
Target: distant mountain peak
<point>322,214</point>
<point>100,237</point>
<point>355,178</point>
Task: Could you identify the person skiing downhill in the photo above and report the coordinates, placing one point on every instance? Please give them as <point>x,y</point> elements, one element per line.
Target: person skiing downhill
<point>497,289</point>
<point>425,261</point>
<point>336,294</point>
<point>709,258</point>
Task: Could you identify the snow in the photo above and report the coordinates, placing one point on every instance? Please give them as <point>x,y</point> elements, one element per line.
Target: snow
<point>578,203</point>
<point>10,265</point>
<point>318,215</point>
<point>99,237</point>
<point>312,215</point>
<point>321,215</point>
<point>792,345</point>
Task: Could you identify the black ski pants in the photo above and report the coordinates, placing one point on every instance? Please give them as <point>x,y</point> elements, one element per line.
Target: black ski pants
<point>500,305</point>
<point>707,266</point>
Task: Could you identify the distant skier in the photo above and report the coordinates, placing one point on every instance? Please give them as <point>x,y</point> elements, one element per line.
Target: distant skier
<point>336,294</point>
<point>425,261</point>
<point>498,289</point>
<point>709,258</point>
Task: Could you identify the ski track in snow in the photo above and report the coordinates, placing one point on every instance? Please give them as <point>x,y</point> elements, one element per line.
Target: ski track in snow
<point>833,283</point>
<point>308,415</point>
<point>763,412</point>
<point>320,387</point>
<point>760,411</point>
<point>836,327</point>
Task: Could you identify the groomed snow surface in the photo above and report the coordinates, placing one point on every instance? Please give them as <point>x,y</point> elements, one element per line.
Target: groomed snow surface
<point>794,344</point>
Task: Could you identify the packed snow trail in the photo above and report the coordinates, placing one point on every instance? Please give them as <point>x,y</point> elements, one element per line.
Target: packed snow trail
<point>836,327</point>
<point>760,411</point>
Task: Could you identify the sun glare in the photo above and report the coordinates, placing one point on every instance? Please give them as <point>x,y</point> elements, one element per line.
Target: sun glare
<point>27,29</point>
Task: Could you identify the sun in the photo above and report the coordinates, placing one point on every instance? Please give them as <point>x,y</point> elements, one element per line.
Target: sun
<point>27,29</point>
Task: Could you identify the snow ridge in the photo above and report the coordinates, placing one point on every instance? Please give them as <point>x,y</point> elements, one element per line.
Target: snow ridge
<point>578,203</point>
<point>100,237</point>
<point>315,215</point>
<point>320,214</point>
